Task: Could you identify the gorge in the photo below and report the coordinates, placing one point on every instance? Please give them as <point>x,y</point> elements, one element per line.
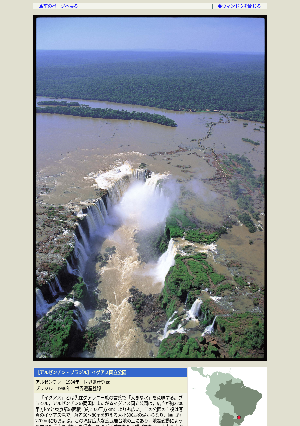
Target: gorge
<point>91,306</point>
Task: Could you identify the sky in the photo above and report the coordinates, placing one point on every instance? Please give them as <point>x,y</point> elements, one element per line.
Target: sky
<point>208,34</point>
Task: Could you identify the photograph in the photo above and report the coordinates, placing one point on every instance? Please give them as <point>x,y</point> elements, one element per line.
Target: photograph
<point>150,162</point>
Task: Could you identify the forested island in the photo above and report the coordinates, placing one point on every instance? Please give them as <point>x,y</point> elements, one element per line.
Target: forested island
<point>86,111</point>
<point>174,81</point>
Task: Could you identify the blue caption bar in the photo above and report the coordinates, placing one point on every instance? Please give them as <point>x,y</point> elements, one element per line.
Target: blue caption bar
<point>112,372</point>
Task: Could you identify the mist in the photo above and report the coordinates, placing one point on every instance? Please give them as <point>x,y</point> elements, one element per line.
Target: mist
<point>145,205</point>
<point>201,190</point>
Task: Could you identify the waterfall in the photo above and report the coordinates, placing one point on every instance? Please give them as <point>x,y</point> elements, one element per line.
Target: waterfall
<point>186,299</point>
<point>102,208</point>
<point>91,224</point>
<point>210,328</point>
<point>116,191</point>
<point>58,285</point>
<point>165,262</point>
<point>169,322</point>
<point>84,238</point>
<point>70,269</point>
<point>139,174</point>
<point>79,325</point>
<point>52,289</point>
<point>97,216</point>
<point>80,254</point>
<point>195,309</point>
<point>82,318</point>
<point>179,329</point>
<point>41,305</point>
<point>95,220</point>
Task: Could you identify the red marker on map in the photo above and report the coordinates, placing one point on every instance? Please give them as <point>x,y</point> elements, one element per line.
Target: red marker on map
<point>238,417</point>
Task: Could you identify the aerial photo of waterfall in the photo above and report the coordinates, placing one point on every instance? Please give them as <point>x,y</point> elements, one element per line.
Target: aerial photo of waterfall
<point>150,165</point>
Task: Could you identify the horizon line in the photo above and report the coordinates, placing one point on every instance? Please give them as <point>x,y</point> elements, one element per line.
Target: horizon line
<point>152,50</point>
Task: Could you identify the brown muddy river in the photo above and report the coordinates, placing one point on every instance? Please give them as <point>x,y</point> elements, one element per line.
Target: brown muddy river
<point>71,151</point>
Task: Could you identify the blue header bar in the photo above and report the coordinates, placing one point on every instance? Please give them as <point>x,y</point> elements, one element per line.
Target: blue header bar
<point>112,372</point>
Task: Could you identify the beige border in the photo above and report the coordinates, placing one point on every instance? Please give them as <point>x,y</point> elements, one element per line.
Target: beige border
<point>16,173</point>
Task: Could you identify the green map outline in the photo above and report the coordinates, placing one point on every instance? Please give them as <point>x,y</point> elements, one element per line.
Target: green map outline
<point>230,396</point>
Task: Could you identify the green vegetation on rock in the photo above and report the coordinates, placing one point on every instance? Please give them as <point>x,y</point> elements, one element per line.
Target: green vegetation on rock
<point>93,334</point>
<point>189,275</point>
<point>180,346</point>
<point>246,220</point>
<point>240,281</point>
<point>244,334</point>
<point>240,335</point>
<point>54,337</point>
<point>223,287</point>
<point>80,291</point>
<point>178,225</point>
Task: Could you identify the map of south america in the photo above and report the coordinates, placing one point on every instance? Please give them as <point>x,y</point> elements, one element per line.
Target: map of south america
<point>234,400</point>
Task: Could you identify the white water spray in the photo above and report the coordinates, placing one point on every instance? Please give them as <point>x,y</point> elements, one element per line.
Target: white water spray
<point>165,262</point>
<point>169,322</point>
<point>195,309</point>
<point>179,329</point>
<point>210,328</point>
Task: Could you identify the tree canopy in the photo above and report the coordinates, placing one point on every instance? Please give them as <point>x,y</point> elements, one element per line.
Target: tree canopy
<point>181,81</point>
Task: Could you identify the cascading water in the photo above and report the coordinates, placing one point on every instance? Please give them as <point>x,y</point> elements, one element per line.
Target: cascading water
<point>97,215</point>
<point>186,299</point>
<point>42,306</point>
<point>210,328</point>
<point>168,323</point>
<point>91,224</point>
<point>80,255</point>
<point>82,315</point>
<point>70,269</point>
<point>179,329</point>
<point>102,208</point>
<point>165,262</point>
<point>195,309</point>
<point>58,285</point>
<point>84,239</point>
<point>52,289</point>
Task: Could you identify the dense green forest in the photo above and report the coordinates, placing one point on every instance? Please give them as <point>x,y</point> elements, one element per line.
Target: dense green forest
<point>242,336</point>
<point>86,111</point>
<point>178,81</point>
